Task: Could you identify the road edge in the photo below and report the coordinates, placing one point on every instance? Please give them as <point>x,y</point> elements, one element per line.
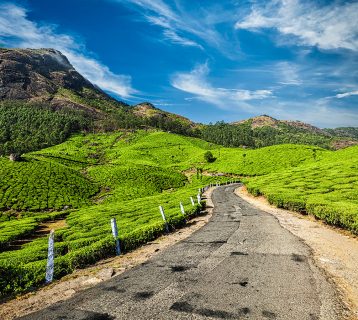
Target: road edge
<point>348,300</point>
<point>82,279</point>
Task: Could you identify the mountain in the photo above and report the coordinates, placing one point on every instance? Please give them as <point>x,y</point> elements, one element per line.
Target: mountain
<point>146,110</point>
<point>44,100</point>
<point>267,121</point>
<point>37,74</point>
<point>46,75</point>
<point>267,130</point>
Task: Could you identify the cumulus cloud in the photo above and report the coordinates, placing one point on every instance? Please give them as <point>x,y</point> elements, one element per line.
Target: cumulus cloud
<point>331,26</point>
<point>16,30</point>
<point>195,82</point>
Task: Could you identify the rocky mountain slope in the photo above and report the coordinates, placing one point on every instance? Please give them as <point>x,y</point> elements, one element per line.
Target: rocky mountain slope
<point>46,75</point>
<point>148,111</point>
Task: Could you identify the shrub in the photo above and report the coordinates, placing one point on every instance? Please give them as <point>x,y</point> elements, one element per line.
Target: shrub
<point>208,156</point>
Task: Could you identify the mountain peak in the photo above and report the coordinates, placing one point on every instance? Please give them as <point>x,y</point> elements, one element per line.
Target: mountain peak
<point>260,121</point>
<point>28,74</point>
<point>144,108</point>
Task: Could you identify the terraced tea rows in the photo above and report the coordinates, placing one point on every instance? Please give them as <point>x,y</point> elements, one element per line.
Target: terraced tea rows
<point>327,190</point>
<point>91,178</point>
<point>39,185</point>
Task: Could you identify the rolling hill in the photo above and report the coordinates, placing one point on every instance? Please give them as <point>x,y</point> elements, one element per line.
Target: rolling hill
<point>91,178</point>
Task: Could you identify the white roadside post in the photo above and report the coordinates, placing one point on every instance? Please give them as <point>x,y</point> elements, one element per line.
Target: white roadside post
<point>199,198</point>
<point>182,209</point>
<point>164,218</point>
<point>50,257</point>
<point>192,201</point>
<point>115,235</point>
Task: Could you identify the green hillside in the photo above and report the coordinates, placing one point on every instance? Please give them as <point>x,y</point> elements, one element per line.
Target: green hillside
<point>41,185</point>
<point>327,189</point>
<point>91,178</point>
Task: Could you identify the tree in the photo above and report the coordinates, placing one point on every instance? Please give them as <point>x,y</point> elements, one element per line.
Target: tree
<point>208,156</point>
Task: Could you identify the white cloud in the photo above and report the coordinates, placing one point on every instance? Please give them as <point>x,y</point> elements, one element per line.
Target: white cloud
<point>347,94</point>
<point>331,26</point>
<point>196,83</point>
<point>288,73</point>
<point>185,28</point>
<point>16,30</point>
<point>320,112</point>
<point>175,38</point>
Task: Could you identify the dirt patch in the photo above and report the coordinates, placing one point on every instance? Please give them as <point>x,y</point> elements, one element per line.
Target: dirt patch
<point>49,225</point>
<point>42,230</point>
<point>334,250</point>
<point>81,279</point>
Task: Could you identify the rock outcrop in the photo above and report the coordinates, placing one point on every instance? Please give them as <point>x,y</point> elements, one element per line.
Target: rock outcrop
<point>37,73</point>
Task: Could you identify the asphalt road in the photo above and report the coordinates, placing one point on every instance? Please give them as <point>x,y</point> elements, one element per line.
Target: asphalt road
<point>241,265</point>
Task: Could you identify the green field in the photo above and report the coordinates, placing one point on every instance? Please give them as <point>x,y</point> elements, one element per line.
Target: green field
<point>91,178</point>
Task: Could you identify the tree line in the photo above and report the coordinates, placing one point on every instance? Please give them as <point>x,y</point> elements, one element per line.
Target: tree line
<point>26,127</point>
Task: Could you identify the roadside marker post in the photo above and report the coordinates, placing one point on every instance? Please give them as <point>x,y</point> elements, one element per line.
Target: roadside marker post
<point>182,209</point>
<point>50,257</point>
<point>192,201</point>
<point>199,198</point>
<point>115,235</point>
<point>164,218</point>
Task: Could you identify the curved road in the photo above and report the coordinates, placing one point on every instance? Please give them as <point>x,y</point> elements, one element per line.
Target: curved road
<point>241,265</point>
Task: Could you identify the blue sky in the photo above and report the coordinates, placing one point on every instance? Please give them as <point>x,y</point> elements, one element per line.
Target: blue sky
<point>207,60</point>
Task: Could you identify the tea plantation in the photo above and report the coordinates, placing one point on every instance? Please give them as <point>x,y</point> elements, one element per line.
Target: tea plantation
<point>92,178</point>
<point>327,189</point>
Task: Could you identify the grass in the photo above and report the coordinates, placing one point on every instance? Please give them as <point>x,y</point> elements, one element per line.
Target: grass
<point>128,175</point>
